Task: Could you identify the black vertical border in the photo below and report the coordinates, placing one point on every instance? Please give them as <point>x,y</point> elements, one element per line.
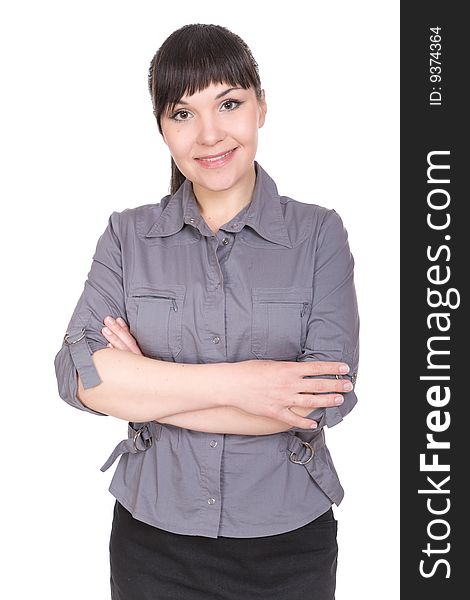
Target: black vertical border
<point>425,128</point>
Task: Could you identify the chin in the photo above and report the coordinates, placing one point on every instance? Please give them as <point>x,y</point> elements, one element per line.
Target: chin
<point>217,184</point>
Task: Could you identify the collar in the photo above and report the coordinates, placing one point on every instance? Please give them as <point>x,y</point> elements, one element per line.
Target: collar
<point>263,213</point>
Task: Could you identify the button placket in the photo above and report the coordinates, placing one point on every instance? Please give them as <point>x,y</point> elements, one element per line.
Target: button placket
<point>211,489</point>
<point>216,302</point>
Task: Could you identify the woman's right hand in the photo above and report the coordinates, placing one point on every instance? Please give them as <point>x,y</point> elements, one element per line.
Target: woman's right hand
<point>270,388</point>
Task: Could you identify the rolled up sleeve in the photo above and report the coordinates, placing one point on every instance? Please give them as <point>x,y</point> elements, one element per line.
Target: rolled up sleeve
<point>333,323</point>
<point>102,295</point>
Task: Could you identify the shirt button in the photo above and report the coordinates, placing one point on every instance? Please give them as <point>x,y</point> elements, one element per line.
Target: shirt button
<point>225,241</point>
<point>213,443</point>
<point>192,220</point>
<point>236,225</point>
<point>216,339</point>
<point>211,501</point>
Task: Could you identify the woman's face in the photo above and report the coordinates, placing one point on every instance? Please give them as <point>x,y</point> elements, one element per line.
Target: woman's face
<point>213,135</point>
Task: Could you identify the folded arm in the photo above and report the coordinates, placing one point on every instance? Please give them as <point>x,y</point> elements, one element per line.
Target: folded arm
<point>220,419</point>
<point>228,419</point>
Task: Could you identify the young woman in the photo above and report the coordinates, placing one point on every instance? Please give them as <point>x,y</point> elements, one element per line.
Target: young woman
<point>222,324</point>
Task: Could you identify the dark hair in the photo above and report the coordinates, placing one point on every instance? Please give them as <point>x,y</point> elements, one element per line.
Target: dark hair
<point>192,58</point>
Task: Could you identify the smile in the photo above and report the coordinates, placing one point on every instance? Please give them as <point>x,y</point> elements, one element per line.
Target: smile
<point>216,161</point>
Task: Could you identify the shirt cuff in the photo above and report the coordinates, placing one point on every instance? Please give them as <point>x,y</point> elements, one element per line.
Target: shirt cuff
<point>75,357</point>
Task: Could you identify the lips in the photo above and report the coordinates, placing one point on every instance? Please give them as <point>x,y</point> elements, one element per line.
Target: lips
<point>214,157</point>
<point>216,160</point>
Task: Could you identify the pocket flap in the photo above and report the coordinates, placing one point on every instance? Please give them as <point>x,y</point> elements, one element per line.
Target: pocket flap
<point>146,290</point>
<point>280,294</point>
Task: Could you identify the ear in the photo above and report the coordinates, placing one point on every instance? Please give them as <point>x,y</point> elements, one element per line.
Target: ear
<point>263,108</point>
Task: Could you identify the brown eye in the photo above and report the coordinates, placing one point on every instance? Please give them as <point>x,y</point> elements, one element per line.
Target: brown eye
<point>232,104</point>
<point>178,113</point>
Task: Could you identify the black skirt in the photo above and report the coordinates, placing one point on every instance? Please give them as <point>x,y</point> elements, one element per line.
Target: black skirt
<point>148,563</point>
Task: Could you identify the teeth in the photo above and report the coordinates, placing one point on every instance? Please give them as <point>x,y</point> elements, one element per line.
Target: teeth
<point>216,157</point>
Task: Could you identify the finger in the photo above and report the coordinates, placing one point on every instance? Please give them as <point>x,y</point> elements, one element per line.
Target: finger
<point>123,333</point>
<point>113,339</point>
<point>319,386</point>
<point>293,420</point>
<point>320,367</point>
<point>122,323</point>
<point>119,342</point>
<point>317,400</point>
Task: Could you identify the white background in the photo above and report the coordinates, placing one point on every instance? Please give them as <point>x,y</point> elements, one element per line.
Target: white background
<point>79,141</point>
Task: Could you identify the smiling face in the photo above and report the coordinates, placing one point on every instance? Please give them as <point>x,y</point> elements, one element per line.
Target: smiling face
<point>213,136</point>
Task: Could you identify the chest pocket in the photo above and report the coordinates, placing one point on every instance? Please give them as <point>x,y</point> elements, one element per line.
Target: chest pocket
<point>155,317</point>
<point>279,321</point>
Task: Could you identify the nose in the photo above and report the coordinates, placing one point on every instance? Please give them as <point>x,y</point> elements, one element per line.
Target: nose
<point>210,131</point>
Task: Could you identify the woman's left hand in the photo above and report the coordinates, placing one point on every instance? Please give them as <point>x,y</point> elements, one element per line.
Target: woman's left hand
<point>116,331</point>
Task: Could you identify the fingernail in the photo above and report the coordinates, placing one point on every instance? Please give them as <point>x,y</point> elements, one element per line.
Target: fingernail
<point>339,399</point>
<point>348,386</point>
<point>107,331</point>
<point>109,320</point>
<point>120,321</point>
<point>344,368</point>
<point>313,426</point>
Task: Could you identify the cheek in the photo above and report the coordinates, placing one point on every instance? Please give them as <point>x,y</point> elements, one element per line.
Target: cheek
<point>178,143</point>
<point>247,131</point>
<point>248,126</point>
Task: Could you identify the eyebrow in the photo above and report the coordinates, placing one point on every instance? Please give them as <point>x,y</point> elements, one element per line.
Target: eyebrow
<point>217,97</point>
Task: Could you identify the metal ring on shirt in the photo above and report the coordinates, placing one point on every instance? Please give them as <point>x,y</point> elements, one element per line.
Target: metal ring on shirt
<point>147,443</point>
<point>353,378</point>
<point>299,462</point>
<point>67,335</point>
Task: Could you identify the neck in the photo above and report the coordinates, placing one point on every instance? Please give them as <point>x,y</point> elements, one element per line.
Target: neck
<point>221,206</point>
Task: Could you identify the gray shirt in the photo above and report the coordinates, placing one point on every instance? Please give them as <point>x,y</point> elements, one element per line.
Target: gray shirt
<point>275,282</point>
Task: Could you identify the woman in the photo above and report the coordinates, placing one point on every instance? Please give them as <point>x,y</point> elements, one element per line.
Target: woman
<point>229,341</point>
